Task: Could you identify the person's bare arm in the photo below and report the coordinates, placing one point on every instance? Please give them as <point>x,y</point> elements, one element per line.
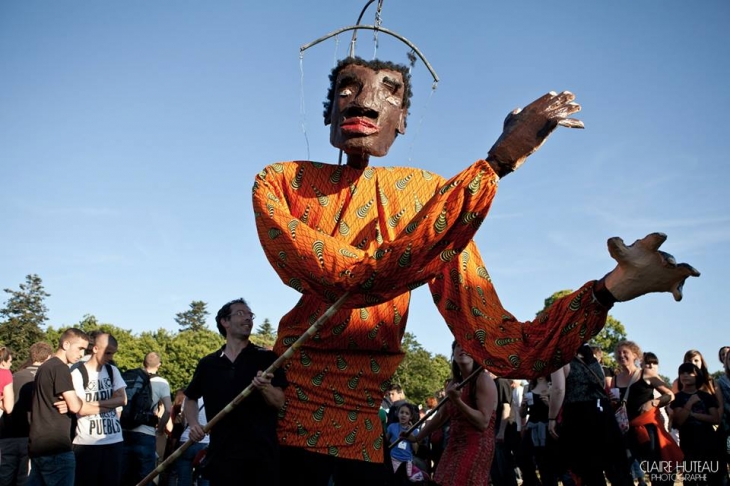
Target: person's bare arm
<point>73,402</point>
<point>557,395</point>
<point>8,398</point>
<point>118,399</point>
<point>438,420</point>
<point>191,412</point>
<point>666,395</point>
<point>486,398</point>
<point>167,405</point>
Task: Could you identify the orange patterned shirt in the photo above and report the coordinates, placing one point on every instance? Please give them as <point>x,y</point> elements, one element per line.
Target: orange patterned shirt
<point>379,233</point>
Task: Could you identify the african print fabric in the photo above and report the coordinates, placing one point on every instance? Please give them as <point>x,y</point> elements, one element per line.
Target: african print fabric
<point>379,233</point>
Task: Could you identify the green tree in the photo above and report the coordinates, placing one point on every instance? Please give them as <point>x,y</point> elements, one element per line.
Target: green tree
<point>194,318</point>
<point>420,373</point>
<point>606,339</point>
<point>265,335</point>
<point>184,351</point>
<point>24,314</point>
<point>129,347</point>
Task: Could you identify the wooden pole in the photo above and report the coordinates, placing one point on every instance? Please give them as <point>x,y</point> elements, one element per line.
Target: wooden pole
<point>461,385</point>
<point>249,389</point>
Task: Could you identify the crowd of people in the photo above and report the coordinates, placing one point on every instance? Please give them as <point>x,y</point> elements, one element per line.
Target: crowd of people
<point>63,422</point>
<point>562,428</point>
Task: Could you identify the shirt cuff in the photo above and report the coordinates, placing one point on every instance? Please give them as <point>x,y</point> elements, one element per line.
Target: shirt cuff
<point>602,295</point>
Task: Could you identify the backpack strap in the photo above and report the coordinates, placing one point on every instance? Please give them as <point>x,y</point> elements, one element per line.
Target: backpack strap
<point>110,372</point>
<point>599,382</point>
<point>84,374</point>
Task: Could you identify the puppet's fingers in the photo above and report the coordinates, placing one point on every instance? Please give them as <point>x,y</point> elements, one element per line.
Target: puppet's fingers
<point>571,123</point>
<point>562,99</point>
<point>565,110</point>
<point>652,241</point>
<point>617,249</point>
<point>686,271</point>
<point>689,270</point>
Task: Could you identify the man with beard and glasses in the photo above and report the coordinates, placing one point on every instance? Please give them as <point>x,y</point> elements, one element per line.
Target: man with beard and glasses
<point>243,445</point>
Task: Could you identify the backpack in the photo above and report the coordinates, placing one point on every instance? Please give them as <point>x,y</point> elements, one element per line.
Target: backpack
<point>138,410</point>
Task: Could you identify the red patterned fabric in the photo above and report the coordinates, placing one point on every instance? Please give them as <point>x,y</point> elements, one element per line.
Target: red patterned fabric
<point>468,456</point>
<point>670,452</point>
<point>379,233</point>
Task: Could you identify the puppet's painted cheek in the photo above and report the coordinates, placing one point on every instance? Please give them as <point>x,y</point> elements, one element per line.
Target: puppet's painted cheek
<point>393,100</point>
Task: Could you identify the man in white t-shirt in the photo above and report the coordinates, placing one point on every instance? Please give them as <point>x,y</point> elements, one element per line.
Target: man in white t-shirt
<point>184,465</point>
<point>140,456</point>
<point>98,444</point>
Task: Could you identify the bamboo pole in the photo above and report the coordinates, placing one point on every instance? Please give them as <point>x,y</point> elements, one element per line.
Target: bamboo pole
<point>413,427</point>
<point>249,389</point>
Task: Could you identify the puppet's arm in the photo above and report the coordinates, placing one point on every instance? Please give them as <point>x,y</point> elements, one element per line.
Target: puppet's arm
<point>468,302</point>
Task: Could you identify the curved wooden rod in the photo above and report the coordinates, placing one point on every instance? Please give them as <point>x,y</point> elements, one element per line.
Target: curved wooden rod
<point>377,29</point>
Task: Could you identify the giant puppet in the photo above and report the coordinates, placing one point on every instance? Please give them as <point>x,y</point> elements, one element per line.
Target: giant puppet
<point>377,233</point>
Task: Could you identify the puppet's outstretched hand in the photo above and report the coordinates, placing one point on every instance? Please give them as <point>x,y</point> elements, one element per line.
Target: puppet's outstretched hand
<point>525,130</point>
<point>642,268</point>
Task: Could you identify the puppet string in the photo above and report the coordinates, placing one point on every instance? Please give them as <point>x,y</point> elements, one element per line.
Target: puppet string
<point>302,104</point>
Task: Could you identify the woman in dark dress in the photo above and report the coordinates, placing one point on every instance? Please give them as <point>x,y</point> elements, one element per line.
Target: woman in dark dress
<point>649,442</point>
<point>589,437</point>
<point>695,414</point>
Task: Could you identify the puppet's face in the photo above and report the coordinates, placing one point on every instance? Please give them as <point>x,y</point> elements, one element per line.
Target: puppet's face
<point>367,111</point>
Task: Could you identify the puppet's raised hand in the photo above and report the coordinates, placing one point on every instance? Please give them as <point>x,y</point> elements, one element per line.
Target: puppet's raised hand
<point>525,130</point>
<point>642,268</point>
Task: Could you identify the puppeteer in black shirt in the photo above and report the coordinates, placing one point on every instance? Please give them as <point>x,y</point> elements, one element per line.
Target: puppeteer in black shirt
<point>249,431</point>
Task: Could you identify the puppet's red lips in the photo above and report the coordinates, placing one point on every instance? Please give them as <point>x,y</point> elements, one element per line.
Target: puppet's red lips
<point>359,125</point>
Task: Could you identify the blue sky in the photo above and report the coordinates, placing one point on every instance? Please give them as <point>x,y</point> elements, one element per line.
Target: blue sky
<point>130,133</point>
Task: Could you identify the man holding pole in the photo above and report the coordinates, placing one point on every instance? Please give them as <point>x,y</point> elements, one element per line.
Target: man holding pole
<point>243,445</point>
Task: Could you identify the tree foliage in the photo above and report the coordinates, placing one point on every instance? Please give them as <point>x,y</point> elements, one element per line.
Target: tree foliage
<point>194,318</point>
<point>607,339</point>
<point>421,374</point>
<point>179,352</point>
<point>24,314</point>
<point>265,335</point>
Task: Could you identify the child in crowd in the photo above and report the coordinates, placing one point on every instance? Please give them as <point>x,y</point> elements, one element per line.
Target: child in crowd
<point>7,397</point>
<point>695,413</point>
<point>403,451</point>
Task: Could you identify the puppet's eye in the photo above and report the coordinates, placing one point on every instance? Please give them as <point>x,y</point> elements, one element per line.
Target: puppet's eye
<point>345,92</point>
<point>392,86</point>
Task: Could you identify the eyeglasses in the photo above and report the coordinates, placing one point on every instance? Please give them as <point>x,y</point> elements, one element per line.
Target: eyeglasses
<point>651,364</point>
<point>250,315</point>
